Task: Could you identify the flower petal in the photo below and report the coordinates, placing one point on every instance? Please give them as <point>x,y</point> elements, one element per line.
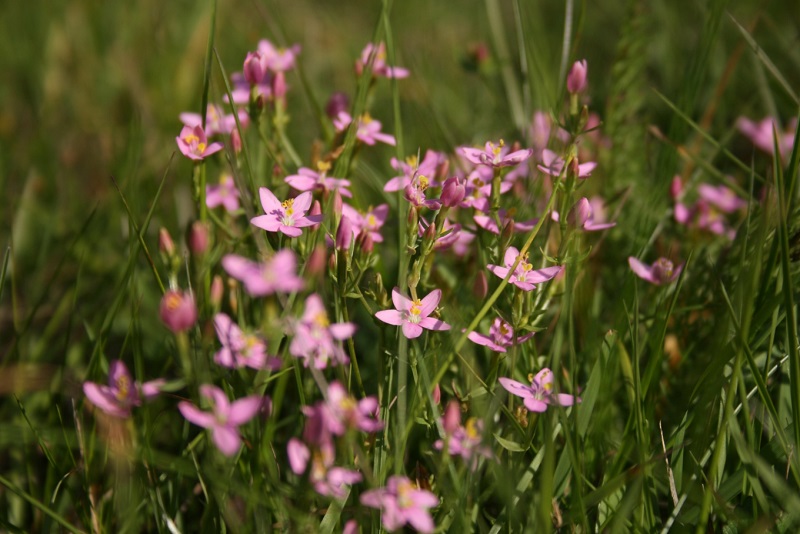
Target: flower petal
<point>392,317</point>
<point>226,439</point>
<point>244,409</point>
<point>195,415</point>
<point>429,303</point>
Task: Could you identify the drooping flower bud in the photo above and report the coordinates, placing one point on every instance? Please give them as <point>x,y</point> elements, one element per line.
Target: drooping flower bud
<point>576,80</point>
<point>178,311</point>
<point>481,286</point>
<point>453,192</point>
<point>344,234</point>
<point>452,417</point>
<point>165,243</point>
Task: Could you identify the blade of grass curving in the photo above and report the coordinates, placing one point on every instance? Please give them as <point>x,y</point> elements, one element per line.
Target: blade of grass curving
<point>566,42</point>
<point>41,506</point>
<point>504,59</point>
<point>762,56</point>
<point>4,270</point>
<point>207,63</point>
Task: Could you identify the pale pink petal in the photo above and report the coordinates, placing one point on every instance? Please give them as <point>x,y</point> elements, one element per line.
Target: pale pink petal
<point>401,302</point>
<point>411,330</point>
<point>420,520</point>
<point>196,416</point>
<point>217,398</point>
<point>298,456</point>
<point>104,399</point>
<point>342,330</point>
<point>565,400</point>
<point>244,409</point>
<point>641,270</point>
<point>392,317</point>
<point>270,223</point>
<point>226,439</point>
<point>429,303</point>
<point>302,202</point>
<point>510,256</point>
<point>543,275</point>
<point>502,272</point>
<point>433,324</point>
<point>269,201</point>
<point>152,388</point>
<point>535,405</point>
<point>291,231</point>
<point>516,388</point>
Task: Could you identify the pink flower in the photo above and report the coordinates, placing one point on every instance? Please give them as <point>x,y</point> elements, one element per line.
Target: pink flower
<point>539,394</point>
<point>368,130</point>
<point>193,143</point>
<point>661,272</point>
<point>178,311</point>
<point>432,165</point>
<point>495,155</point>
<point>288,216</point>
<point>576,80</point>
<point>225,418</point>
<point>414,193</point>
<point>446,237</point>
<point>488,223</point>
<point>379,66</point>
<point>582,216</point>
<point>344,412</point>
<point>241,349</point>
<point>370,222</point>
<point>464,441</point>
<point>501,336</point>
<point>328,480</point>
<point>224,194</point>
<point>453,191</point>
<point>315,337</point>
<point>760,133</point>
<point>401,502</point>
<point>307,180</point>
<point>413,315</point>
<point>478,188</point>
<point>554,166</point>
<point>524,277</point>
<point>121,393</point>
<point>278,59</point>
<point>723,198</point>
<point>277,275</point>
<point>217,122</point>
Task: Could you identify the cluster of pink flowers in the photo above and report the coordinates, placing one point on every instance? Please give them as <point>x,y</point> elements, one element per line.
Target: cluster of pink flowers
<point>710,210</point>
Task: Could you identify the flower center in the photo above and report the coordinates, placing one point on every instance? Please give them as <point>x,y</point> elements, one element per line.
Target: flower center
<point>372,221</point>
<point>201,147</point>
<point>173,301</point>
<point>191,138</point>
<point>288,207</point>
<point>471,428</point>
<point>323,166</point>
<point>415,312</point>
<point>123,387</point>
<point>422,182</point>
<point>404,489</point>
<point>321,320</point>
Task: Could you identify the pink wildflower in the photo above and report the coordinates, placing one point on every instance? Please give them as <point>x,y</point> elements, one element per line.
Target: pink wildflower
<point>223,194</point>
<point>402,502</point>
<point>488,223</point>
<point>661,272</point>
<point>278,59</point>
<point>413,315</point>
<point>464,441</point>
<point>495,155</point>
<point>121,393</point>
<point>328,480</point>
<point>432,165</point>
<point>193,143</point>
<point>307,180</point>
<point>217,122</point>
<point>225,418</point>
<point>315,337</point>
<point>240,349</point>
<point>177,310</point>
<point>539,394</point>
<point>582,216</point>
<point>370,222</point>
<point>554,166</point>
<point>576,80</point>
<point>414,192</point>
<point>379,66</point>
<point>277,275</point>
<point>368,130</point>
<point>761,134</point>
<point>501,336</point>
<point>344,412</point>
<point>524,277</point>
<point>288,216</point>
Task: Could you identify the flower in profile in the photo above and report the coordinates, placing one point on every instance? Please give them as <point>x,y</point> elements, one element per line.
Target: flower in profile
<point>307,180</point>
<point>368,130</point>
<point>370,221</point>
<point>402,502</point>
<point>413,315</point>
<point>539,394</point>
<point>524,277</point>
<point>433,164</point>
<point>315,337</point>
<point>554,166</point>
<point>576,80</point>
<point>495,155</point>
<point>223,194</point>
<point>500,338</point>
<point>414,192</point>
<point>121,393</point>
<point>225,417</point>
<point>582,216</point>
<point>177,310</point>
<point>288,216</point>
<point>662,271</point>
<point>379,66</point>
<point>277,275</point>
<point>193,143</point>
<point>240,349</point>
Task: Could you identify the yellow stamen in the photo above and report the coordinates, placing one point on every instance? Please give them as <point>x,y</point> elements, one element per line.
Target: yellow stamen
<point>471,427</point>
<point>423,182</point>
<point>288,206</point>
<point>123,387</point>
<point>323,166</point>
<point>191,138</point>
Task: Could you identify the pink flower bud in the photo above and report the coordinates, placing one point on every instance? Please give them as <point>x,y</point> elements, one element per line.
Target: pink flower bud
<point>576,81</point>
<point>437,394</point>
<point>452,417</point>
<point>317,261</point>
<point>365,243</point>
<point>178,310</point>
<point>316,209</point>
<point>337,103</point>
<point>344,234</point>
<point>198,238</point>
<point>430,233</point>
<point>236,140</point>
<point>580,213</point>
<point>481,286</point>
<point>216,292</point>
<point>453,192</point>
<point>279,86</point>
<point>337,203</point>
<point>253,68</point>
<point>676,187</point>
<point>165,243</point>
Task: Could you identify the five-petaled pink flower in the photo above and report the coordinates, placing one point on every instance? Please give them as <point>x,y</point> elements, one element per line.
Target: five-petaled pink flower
<point>344,412</point>
<point>539,394</point>
<point>554,166</point>
<point>501,336</point>
<point>379,66</point>
<point>307,180</point>
<point>240,349</point>
<point>121,393</point>
<point>277,275</point>
<point>413,315</point>
<point>524,277</point>
<point>277,59</point>
<point>465,441</point>
<point>661,272</point>
<point>582,216</point>
<point>495,155</point>
<point>223,194</point>
<point>288,216</point>
<point>193,143</point>
<point>315,338</point>
<point>402,502</point>
<point>368,130</point>
<point>225,418</point>
<point>370,222</point>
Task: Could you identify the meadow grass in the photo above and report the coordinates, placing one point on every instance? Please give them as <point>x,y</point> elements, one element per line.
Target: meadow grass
<point>170,364</point>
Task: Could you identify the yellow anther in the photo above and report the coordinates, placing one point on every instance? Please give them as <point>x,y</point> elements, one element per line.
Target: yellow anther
<point>201,147</point>
<point>423,182</point>
<point>288,206</point>
<point>323,166</point>
<point>365,118</point>
<point>412,161</point>
<point>123,387</point>
<point>471,426</point>
<point>372,220</point>
<point>191,138</point>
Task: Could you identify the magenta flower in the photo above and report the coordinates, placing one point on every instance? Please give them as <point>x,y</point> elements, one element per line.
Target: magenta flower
<point>661,272</point>
<point>278,59</point>
<point>370,222</point>
<point>217,122</point>
<point>224,194</point>
<point>453,191</point>
<point>488,223</point>
<point>121,393</point>
<point>478,188</point>
<point>539,394</point>
<point>582,216</point>
<point>760,133</point>
<point>193,143</point>
<point>495,155</point>
<point>240,349</point>
<point>402,502</point>
<point>277,275</point>
<point>288,216</point>
<point>413,315</point>
<point>379,66</point>
<point>225,418</point>
<point>328,480</point>
<point>344,412</point>
<point>368,130</point>
<point>414,193</point>
<point>315,337</point>
<point>178,311</point>
<point>464,441</point>
<point>524,277</point>
<point>307,180</point>
<point>576,80</point>
<point>433,164</point>
<point>501,336</point>
<point>721,197</point>
<point>554,166</point>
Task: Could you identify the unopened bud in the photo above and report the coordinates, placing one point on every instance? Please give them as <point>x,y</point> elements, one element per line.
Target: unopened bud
<point>337,103</point>
<point>506,234</point>
<point>452,417</point>
<point>198,238</point>
<point>236,140</point>
<point>177,310</point>
<point>480,287</point>
<point>344,234</point>
<point>165,243</point>
<point>437,394</point>
<point>217,289</point>
<point>253,68</point>
<point>315,265</point>
<point>676,187</point>
<point>337,204</point>
<point>453,192</point>
<point>279,86</point>
<point>576,80</point>
<point>580,213</point>
<point>316,209</point>
<point>365,243</point>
